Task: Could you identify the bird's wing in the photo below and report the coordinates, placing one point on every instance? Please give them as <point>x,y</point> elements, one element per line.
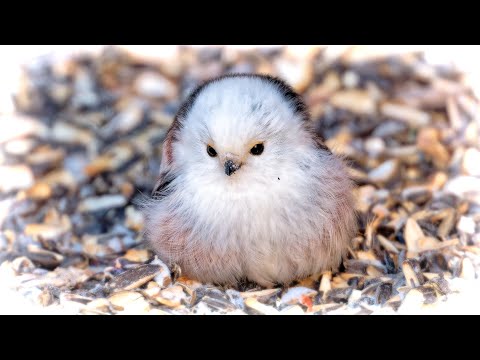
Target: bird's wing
<point>166,168</point>
<point>161,188</point>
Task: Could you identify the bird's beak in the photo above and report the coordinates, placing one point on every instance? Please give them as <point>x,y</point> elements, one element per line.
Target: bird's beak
<point>231,164</point>
<point>231,167</point>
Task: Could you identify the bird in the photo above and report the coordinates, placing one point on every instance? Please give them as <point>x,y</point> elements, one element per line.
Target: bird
<point>247,188</point>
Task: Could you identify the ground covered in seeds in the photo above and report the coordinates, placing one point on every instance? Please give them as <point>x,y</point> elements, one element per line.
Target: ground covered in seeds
<point>86,143</point>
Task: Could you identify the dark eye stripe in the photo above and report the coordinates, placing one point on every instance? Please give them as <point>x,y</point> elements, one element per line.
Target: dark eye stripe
<point>257,149</point>
<point>211,151</point>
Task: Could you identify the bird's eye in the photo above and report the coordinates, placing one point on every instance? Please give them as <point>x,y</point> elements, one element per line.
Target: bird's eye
<point>211,151</point>
<point>257,149</point>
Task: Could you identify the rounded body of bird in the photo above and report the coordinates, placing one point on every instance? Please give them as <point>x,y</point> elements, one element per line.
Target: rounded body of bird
<point>247,189</point>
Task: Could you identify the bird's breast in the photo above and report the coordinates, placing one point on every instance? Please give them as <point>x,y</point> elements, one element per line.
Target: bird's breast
<point>262,210</point>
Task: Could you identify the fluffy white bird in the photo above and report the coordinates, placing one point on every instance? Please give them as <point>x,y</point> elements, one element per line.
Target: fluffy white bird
<point>247,189</point>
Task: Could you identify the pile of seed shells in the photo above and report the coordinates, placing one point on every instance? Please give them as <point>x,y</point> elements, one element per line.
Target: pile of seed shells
<point>85,144</point>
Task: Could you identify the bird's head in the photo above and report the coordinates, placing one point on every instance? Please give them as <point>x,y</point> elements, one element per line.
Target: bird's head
<point>239,128</point>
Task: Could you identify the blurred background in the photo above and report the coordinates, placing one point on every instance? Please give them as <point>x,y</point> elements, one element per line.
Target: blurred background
<point>464,57</point>
<point>81,129</point>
